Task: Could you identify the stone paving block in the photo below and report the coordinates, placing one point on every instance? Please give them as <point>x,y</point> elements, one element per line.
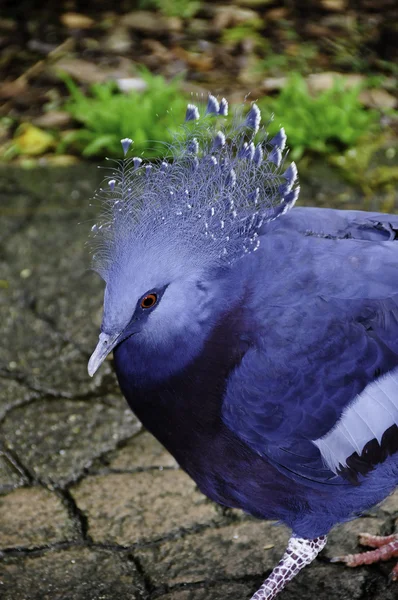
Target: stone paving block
<point>69,295</point>
<point>33,351</point>
<point>218,555</point>
<point>33,517</point>
<point>326,581</point>
<point>41,355</point>
<point>52,249</point>
<point>235,551</point>
<point>378,586</point>
<point>314,582</point>
<point>343,539</point>
<point>71,574</point>
<point>390,505</point>
<point>56,439</point>
<point>222,591</point>
<point>9,477</point>
<point>143,451</point>
<point>12,393</point>
<point>52,301</point>
<point>129,508</point>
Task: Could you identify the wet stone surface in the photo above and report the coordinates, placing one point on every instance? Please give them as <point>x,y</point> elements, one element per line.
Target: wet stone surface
<point>71,574</point>
<point>91,507</point>
<point>10,478</point>
<point>126,508</point>
<point>59,438</point>
<point>34,517</point>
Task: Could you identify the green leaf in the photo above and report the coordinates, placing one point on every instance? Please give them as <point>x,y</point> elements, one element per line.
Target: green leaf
<point>321,123</point>
<point>97,144</point>
<point>106,115</point>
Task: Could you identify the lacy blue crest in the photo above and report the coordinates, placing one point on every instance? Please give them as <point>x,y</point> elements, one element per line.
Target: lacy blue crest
<point>223,182</point>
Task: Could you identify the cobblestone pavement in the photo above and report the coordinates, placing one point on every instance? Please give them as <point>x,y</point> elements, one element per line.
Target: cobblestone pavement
<point>91,507</point>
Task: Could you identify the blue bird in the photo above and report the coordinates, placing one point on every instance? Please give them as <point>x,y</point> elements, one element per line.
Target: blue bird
<point>259,344</point>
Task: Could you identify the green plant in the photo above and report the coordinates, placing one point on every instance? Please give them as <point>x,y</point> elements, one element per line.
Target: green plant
<point>278,64</point>
<point>107,116</point>
<point>249,30</point>
<point>173,8</point>
<point>326,123</point>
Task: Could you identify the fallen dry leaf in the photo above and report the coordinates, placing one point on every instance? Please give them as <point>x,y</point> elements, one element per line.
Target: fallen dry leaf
<point>31,140</point>
<point>73,20</point>
<point>201,62</point>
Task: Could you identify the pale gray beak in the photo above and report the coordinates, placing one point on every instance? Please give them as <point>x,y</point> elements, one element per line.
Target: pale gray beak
<point>104,347</point>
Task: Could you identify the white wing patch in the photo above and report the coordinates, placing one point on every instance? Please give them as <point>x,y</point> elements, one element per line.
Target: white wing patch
<point>368,416</point>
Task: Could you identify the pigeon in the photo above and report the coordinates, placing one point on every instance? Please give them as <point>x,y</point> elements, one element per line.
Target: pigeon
<point>257,341</point>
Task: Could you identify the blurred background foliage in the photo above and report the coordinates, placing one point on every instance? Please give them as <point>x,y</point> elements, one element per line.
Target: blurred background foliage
<point>107,116</point>
<point>173,8</point>
<point>78,76</point>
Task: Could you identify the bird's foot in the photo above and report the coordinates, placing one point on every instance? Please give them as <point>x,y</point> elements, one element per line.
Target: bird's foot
<point>386,547</point>
<point>299,553</point>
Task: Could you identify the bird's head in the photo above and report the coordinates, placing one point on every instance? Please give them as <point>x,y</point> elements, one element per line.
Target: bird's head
<point>171,231</point>
<point>163,297</point>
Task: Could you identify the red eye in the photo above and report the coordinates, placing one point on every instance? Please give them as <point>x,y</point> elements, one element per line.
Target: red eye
<point>149,301</point>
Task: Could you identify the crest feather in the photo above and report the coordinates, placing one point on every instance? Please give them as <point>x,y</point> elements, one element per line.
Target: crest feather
<point>222,183</point>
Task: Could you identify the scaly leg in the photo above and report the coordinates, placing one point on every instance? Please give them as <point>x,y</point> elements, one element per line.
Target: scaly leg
<point>386,548</point>
<point>299,553</point>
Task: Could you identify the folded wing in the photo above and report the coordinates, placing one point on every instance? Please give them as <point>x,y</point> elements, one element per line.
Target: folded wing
<point>318,394</point>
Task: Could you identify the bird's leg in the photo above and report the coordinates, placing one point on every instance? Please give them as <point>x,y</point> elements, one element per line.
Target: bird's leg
<point>386,547</point>
<point>299,553</point>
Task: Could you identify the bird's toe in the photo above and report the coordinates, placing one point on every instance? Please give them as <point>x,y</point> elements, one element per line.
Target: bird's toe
<point>376,541</point>
<point>394,574</point>
<point>386,547</point>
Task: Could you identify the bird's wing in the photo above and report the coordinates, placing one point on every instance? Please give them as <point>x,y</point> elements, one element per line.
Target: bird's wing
<point>338,224</point>
<point>321,384</point>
